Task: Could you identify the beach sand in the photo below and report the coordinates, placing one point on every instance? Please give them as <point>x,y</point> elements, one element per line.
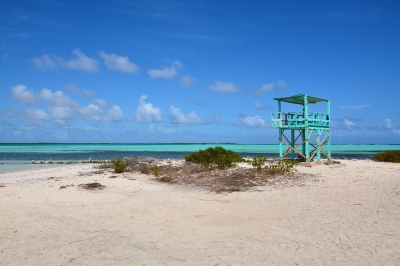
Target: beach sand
<point>348,215</point>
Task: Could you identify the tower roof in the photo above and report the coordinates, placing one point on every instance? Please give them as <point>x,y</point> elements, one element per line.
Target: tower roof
<point>299,99</point>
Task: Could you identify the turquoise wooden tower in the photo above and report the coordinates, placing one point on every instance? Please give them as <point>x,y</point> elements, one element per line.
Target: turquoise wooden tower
<point>310,132</point>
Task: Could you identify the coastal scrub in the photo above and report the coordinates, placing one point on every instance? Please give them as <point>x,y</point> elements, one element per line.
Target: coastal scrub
<point>221,157</point>
<point>392,156</point>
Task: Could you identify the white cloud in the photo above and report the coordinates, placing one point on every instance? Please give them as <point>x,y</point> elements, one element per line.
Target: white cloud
<point>56,98</point>
<point>187,81</point>
<point>44,62</point>
<point>153,130</point>
<point>223,87</point>
<point>119,63</point>
<point>79,91</point>
<point>260,106</point>
<point>146,112</point>
<point>252,121</point>
<point>62,108</point>
<point>94,112</point>
<point>100,102</point>
<point>62,112</point>
<point>266,88</point>
<point>114,114</point>
<point>175,116</point>
<point>23,95</point>
<point>80,62</point>
<point>355,106</point>
<point>271,87</point>
<point>396,131</point>
<point>281,83</point>
<point>36,114</point>
<point>387,123</point>
<point>348,125</point>
<point>166,72</point>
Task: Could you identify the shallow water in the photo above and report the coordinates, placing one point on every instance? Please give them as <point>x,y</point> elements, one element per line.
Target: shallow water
<point>14,157</point>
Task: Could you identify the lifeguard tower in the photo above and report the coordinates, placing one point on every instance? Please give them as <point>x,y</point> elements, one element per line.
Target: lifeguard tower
<point>312,129</point>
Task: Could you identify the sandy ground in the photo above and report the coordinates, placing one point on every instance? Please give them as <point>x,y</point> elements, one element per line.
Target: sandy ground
<point>349,215</point>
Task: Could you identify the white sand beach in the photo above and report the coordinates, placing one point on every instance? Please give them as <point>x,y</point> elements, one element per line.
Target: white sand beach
<point>348,215</point>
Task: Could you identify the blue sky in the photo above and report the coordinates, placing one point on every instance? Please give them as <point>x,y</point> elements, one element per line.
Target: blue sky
<point>195,71</point>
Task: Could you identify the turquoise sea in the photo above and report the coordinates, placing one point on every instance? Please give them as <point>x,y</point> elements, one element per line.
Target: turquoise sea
<point>19,155</point>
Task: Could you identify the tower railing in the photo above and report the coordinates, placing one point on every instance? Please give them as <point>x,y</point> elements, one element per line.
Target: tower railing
<point>296,120</point>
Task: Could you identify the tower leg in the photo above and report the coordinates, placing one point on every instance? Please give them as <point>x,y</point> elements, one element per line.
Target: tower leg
<point>303,137</point>
<point>307,145</point>
<point>329,144</point>
<point>292,143</point>
<point>280,142</point>
<point>319,147</point>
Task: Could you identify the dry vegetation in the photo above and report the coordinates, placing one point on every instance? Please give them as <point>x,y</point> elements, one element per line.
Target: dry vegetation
<point>212,178</point>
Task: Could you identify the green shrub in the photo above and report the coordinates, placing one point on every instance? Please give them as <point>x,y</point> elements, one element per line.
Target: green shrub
<point>155,170</point>
<point>119,165</point>
<point>144,170</point>
<point>392,156</point>
<point>221,157</point>
<point>259,161</point>
<point>281,167</point>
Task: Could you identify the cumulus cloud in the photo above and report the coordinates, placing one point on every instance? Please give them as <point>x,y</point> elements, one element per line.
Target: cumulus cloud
<point>119,63</point>
<point>62,109</point>
<point>56,98</point>
<point>44,62</point>
<point>78,91</point>
<point>176,116</point>
<point>266,88</point>
<point>387,123</point>
<point>146,112</point>
<point>223,87</point>
<point>271,87</point>
<point>252,121</point>
<point>187,81</point>
<point>348,125</point>
<point>96,113</point>
<point>80,62</point>
<point>260,106</point>
<point>36,114</point>
<point>114,114</point>
<point>62,112</point>
<point>153,130</point>
<point>166,72</point>
<point>23,95</point>
<point>100,102</point>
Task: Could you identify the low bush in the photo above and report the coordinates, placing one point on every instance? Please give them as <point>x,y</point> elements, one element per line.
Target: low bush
<point>119,165</point>
<point>221,157</point>
<point>144,170</point>
<point>259,161</point>
<point>155,170</point>
<point>281,167</point>
<point>392,156</point>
